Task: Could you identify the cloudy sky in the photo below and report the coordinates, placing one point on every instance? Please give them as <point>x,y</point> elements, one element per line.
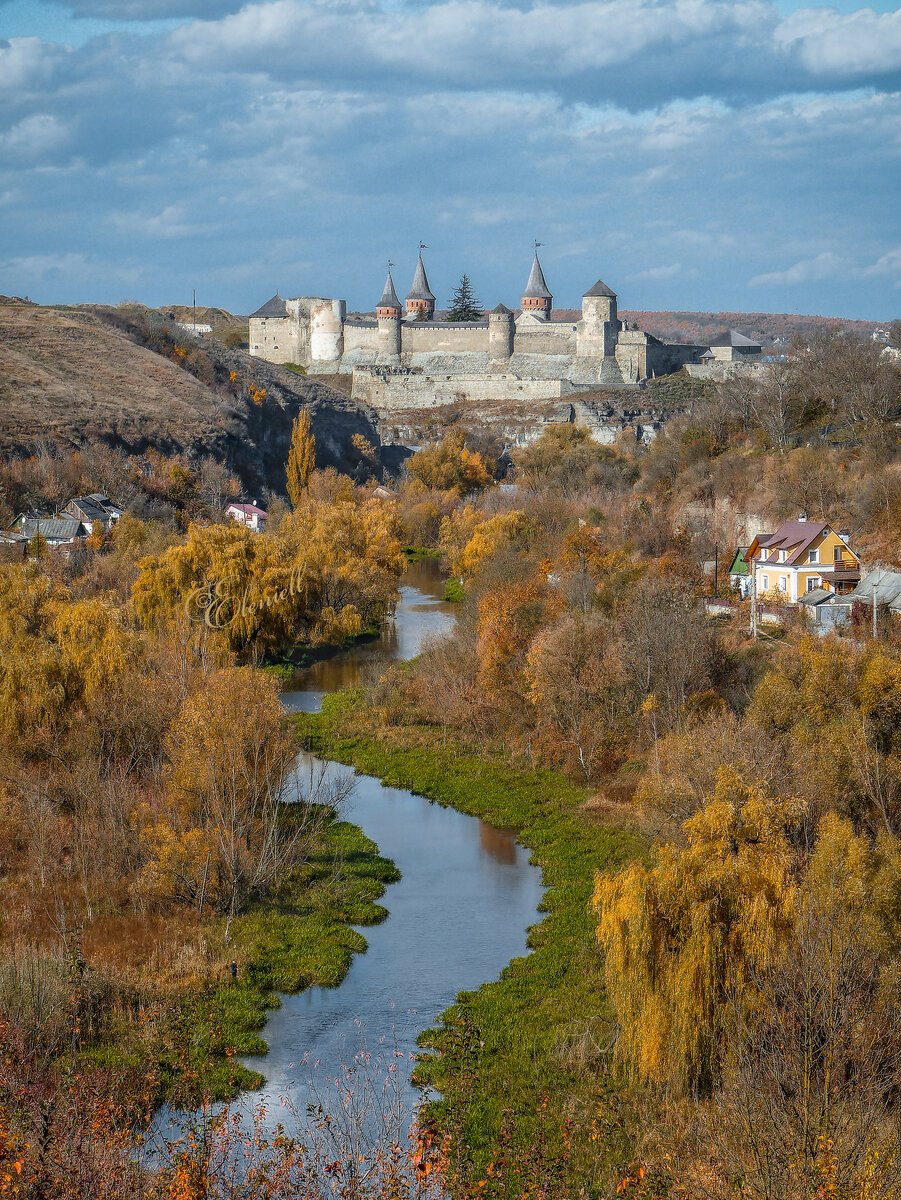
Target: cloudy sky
<point>695,154</point>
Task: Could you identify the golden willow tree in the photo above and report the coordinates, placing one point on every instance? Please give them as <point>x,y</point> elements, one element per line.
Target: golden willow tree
<point>329,570</point>
<point>684,936</point>
<point>301,457</point>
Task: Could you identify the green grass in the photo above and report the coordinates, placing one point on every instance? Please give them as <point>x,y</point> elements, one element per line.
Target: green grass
<point>501,1050</point>
<point>453,590</point>
<point>417,553</point>
<point>290,941</point>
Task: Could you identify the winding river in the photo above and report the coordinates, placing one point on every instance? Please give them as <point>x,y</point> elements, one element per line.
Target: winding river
<point>458,915</point>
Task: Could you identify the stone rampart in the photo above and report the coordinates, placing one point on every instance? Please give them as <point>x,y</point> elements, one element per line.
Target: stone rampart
<point>395,388</point>
<point>444,337</point>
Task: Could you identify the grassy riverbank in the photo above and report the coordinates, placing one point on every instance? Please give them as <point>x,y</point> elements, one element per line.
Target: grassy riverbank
<point>527,1086</point>
<point>293,939</point>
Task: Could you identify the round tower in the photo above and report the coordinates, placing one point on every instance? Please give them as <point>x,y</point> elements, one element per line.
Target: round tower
<point>327,329</point>
<point>388,311</point>
<point>420,301</point>
<point>500,333</point>
<point>537,299</point>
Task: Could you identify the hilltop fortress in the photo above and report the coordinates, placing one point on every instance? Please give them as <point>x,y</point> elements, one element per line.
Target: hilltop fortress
<point>405,358</point>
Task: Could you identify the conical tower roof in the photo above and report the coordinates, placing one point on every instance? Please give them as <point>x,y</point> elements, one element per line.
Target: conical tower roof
<point>536,288</point>
<point>601,289</point>
<point>389,295</point>
<point>420,288</point>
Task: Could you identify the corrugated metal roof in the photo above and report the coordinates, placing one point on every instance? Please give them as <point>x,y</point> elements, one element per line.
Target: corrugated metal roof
<point>887,585</point>
<point>57,529</point>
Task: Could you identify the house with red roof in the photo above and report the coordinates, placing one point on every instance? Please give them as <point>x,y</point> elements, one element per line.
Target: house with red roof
<point>800,557</point>
<point>249,515</point>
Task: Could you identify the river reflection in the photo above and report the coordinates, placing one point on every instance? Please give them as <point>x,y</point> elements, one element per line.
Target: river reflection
<point>458,915</point>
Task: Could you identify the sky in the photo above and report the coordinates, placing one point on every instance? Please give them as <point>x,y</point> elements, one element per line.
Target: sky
<point>737,155</point>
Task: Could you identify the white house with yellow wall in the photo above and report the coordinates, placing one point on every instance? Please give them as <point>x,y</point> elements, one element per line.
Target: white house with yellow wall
<point>800,556</point>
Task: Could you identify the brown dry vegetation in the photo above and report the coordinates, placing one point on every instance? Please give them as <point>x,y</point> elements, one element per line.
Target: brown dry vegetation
<point>129,379</point>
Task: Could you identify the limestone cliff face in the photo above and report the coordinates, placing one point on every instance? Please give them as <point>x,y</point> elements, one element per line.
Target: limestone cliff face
<point>71,378</point>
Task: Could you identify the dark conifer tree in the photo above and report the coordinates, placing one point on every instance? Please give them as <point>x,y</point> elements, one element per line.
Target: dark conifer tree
<point>464,305</point>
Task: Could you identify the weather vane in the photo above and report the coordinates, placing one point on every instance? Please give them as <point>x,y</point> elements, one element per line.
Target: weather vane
<point>537,244</point>
<point>390,264</point>
<point>423,246</point>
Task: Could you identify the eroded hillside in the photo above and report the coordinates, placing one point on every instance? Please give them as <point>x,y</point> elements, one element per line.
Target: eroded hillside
<point>70,378</point>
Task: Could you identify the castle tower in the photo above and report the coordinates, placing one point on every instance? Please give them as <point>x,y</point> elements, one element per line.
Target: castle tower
<point>599,326</point>
<point>536,299</point>
<point>389,305</point>
<point>388,311</point>
<point>500,334</point>
<point>420,301</point>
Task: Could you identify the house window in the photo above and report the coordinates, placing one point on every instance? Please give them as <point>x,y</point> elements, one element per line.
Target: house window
<point>783,583</point>
<point>812,583</point>
<point>837,554</point>
<point>813,556</point>
<point>765,582</point>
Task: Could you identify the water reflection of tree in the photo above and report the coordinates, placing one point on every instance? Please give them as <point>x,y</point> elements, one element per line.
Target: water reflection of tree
<point>499,844</point>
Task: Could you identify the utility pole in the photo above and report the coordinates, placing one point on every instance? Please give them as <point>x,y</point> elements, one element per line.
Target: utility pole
<point>753,600</point>
<point>194,318</point>
<point>716,570</point>
<point>875,610</point>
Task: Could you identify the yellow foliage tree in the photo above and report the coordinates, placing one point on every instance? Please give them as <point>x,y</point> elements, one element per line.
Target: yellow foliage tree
<point>301,457</point>
<point>449,466</point>
<point>682,936</point>
<point>229,753</point>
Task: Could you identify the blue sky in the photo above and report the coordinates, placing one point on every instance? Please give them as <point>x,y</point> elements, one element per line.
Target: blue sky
<point>695,154</point>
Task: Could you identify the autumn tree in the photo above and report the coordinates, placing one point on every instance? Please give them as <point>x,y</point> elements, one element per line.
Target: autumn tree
<point>807,1098</point>
<point>449,466</point>
<point>578,688</point>
<point>229,753</point>
<point>682,936</point>
<point>301,457</point>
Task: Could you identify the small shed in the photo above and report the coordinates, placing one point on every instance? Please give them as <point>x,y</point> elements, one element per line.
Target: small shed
<point>825,608</point>
<point>740,573</point>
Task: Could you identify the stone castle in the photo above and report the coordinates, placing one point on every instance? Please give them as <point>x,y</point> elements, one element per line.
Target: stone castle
<point>405,358</point>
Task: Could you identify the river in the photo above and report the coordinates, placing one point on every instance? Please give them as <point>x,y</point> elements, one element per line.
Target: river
<point>457,916</point>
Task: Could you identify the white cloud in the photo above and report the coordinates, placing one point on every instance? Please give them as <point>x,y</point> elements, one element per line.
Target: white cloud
<point>656,274</point>
<point>316,139</point>
<point>824,266</point>
<point>832,43</point>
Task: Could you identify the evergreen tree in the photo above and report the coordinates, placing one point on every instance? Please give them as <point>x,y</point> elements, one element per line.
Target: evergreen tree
<point>464,305</point>
<point>302,457</point>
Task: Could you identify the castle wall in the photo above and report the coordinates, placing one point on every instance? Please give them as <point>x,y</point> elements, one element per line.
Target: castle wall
<point>394,388</point>
<point>439,362</point>
<point>551,337</point>
<point>360,336</point>
<point>444,337</point>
